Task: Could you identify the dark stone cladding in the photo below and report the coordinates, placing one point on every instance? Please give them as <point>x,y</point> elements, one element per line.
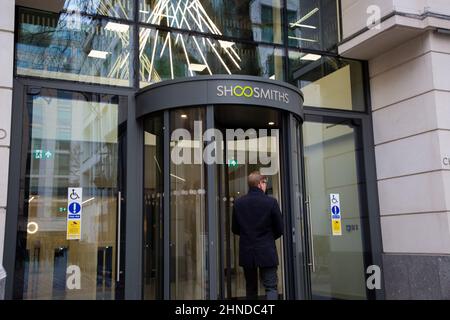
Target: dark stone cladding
<point>416,277</point>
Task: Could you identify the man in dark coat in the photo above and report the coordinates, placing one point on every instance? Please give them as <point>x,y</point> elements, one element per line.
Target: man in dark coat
<point>257,220</point>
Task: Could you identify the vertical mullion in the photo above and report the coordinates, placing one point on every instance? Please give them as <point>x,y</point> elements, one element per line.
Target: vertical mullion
<point>339,21</point>
<point>287,198</point>
<point>304,231</point>
<point>14,196</point>
<point>134,172</point>
<point>134,204</point>
<point>221,225</point>
<point>212,213</point>
<point>298,239</point>
<point>166,211</point>
<point>134,66</point>
<point>372,204</point>
<point>285,29</point>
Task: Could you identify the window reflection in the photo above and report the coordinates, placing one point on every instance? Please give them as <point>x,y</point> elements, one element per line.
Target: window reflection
<point>76,150</point>
<point>313,24</point>
<point>111,8</point>
<point>331,156</point>
<point>328,82</point>
<point>169,55</point>
<point>153,207</point>
<point>71,46</point>
<point>256,20</point>
<point>188,233</point>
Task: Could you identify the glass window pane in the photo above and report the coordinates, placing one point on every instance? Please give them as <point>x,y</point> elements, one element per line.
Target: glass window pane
<point>122,9</point>
<point>169,55</point>
<point>331,158</point>
<point>153,207</point>
<point>328,82</point>
<point>73,47</point>
<point>71,141</point>
<point>188,218</point>
<point>313,24</point>
<point>245,19</point>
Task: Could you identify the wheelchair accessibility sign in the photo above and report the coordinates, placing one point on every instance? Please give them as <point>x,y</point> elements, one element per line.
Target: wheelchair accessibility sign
<point>336,218</point>
<point>74,209</point>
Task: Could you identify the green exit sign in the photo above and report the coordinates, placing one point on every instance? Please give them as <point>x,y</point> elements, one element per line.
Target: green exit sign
<point>42,154</point>
<point>233,163</point>
<point>62,209</point>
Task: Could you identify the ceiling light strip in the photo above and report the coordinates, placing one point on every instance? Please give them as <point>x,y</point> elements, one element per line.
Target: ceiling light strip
<point>232,58</point>
<point>153,55</point>
<point>201,54</point>
<point>186,55</point>
<point>164,45</point>
<point>219,57</point>
<point>170,57</point>
<point>302,26</point>
<point>208,18</point>
<point>305,17</point>
<point>303,39</point>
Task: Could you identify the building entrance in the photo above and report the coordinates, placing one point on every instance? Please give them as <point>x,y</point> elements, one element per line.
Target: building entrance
<point>197,140</point>
<point>258,150</point>
<point>196,162</point>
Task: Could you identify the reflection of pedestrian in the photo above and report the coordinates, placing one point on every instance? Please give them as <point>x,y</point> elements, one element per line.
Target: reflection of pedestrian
<point>257,220</point>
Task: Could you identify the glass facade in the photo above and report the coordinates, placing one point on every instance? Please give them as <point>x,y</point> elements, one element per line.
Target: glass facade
<point>153,207</point>
<point>100,42</point>
<point>188,218</point>
<point>328,82</point>
<point>73,47</point>
<point>313,24</point>
<point>168,55</point>
<point>74,138</point>
<point>259,20</point>
<point>120,9</point>
<point>331,169</point>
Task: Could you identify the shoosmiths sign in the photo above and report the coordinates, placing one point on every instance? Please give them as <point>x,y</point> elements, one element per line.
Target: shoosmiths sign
<point>247,91</point>
<point>220,90</point>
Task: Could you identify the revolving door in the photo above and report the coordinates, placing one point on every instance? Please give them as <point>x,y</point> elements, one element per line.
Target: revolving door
<point>200,153</point>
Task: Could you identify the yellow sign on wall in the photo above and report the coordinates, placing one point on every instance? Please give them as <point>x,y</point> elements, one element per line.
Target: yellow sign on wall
<point>337,227</point>
<point>73,229</point>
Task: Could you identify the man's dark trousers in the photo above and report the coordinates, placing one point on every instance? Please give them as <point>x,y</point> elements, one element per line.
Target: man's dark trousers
<point>268,278</point>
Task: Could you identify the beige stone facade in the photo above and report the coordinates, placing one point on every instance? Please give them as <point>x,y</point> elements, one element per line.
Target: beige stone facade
<point>409,66</point>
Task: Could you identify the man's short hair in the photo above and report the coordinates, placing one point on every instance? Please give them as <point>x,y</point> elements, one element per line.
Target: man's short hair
<point>255,178</point>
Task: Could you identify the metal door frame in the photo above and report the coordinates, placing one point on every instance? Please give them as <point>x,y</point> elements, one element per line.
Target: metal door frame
<point>368,193</point>
<point>20,94</point>
<point>286,198</point>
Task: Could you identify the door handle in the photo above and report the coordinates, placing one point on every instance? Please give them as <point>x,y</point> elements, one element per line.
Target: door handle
<point>312,263</point>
